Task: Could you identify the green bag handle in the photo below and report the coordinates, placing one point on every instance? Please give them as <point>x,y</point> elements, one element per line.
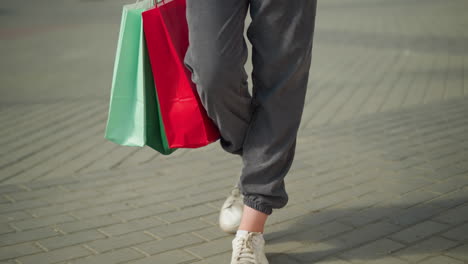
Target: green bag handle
<point>153,1</point>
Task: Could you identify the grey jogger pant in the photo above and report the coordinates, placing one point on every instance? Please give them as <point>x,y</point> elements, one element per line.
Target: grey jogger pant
<point>262,128</point>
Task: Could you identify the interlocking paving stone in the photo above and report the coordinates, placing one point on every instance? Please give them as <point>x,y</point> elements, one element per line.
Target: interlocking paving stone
<point>301,231</point>
<point>429,247</point>
<point>58,255</point>
<point>442,259</point>
<point>73,196</point>
<point>221,258</point>
<point>175,256</point>
<point>455,215</point>
<point>100,210</point>
<point>365,234</point>
<point>58,208</point>
<point>187,226</point>
<point>212,248</point>
<point>15,216</point>
<point>419,231</point>
<point>118,242</point>
<point>188,213</point>
<point>112,257</point>
<point>198,199</point>
<point>24,236</point>
<point>43,221</point>
<point>335,198</point>
<point>4,200</point>
<point>70,239</point>
<point>385,260</point>
<point>26,195</point>
<point>459,233</point>
<point>458,252</point>
<point>17,206</point>
<point>415,214</point>
<point>367,216</point>
<point>10,252</point>
<point>281,245</point>
<point>387,206</point>
<point>314,252</point>
<point>34,185</point>
<point>332,261</point>
<point>5,228</point>
<point>175,242</point>
<point>373,250</point>
<point>44,148</point>
<point>291,213</point>
<point>143,212</point>
<point>446,186</point>
<point>210,233</point>
<point>132,226</point>
<point>106,198</point>
<point>88,223</point>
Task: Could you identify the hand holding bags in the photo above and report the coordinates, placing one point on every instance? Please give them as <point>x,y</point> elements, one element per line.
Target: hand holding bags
<point>167,116</point>
<point>185,120</point>
<point>134,118</point>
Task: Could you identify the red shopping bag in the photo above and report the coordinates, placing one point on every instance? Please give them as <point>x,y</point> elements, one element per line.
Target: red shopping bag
<point>185,120</point>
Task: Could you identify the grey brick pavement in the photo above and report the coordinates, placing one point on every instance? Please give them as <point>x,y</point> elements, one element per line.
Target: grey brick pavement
<point>380,176</point>
<point>354,199</point>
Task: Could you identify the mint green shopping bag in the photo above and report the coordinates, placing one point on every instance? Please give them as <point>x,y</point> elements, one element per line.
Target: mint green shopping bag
<point>134,117</point>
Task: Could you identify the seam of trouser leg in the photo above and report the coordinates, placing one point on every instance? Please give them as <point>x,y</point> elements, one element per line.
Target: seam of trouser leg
<point>257,206</point>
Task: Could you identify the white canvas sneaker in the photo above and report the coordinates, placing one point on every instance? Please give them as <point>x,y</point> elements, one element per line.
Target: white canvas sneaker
<point>248,248</point>
<point>231,212</point>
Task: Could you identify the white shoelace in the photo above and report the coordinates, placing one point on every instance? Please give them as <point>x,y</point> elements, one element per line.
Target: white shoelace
<point>245,251</point>
<point>235,197</point>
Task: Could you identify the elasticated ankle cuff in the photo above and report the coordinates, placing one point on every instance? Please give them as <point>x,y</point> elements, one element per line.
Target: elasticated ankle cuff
<point>257,206</point>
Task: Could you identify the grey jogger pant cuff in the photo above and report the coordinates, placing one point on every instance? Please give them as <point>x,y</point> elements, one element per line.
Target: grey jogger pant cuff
<point>252,203</point>
<point>261,127</point>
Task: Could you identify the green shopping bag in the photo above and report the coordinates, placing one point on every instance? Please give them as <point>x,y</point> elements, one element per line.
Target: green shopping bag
<point>134,117</point>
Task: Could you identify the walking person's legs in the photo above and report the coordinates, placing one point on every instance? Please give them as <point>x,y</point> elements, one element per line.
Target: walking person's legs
<point>281,34</point>
<point>216,56</point>
<point>262,128</point>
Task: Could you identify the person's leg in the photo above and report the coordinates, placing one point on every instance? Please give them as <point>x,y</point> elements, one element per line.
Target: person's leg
<point>216,56</point>
<point>253,220</point>
<point>262,129</point>
<point>281,34</point>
